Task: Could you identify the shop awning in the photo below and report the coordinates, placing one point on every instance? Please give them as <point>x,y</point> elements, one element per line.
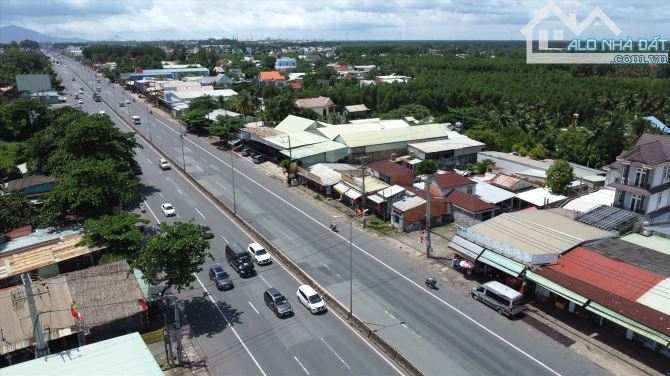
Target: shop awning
<point>556,288</point>
<point>341,188</point>
<point>628,323</point>
<point>466,247</point>
<point>501,262</point>
<point>376,199</point>
<point>353,194</point>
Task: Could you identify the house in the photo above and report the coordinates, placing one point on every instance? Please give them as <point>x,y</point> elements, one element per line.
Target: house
<point>540,198</point>
<point>283,63</point>
<point>510,183</point>
<point>219,79</point>
<point>356,111</point>
<point>454,152</point>
<point>391,172</point>
<point>323,106</point>
<point>37,87</point>
<point>272,78</point>
<point>446,182</point>
<point>107,300</point>
<point>236,72</point>
<point>409,214</point>
<point>641,177</point>
<point>469,205</point>
<point>32,186</point>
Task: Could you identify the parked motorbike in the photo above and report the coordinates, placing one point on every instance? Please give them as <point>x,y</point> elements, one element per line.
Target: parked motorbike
<point>142,208</point>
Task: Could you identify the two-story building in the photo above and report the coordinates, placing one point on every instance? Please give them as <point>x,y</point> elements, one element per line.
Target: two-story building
<point>283,63</point>
<point>641,177</point>
<point>272,78</point>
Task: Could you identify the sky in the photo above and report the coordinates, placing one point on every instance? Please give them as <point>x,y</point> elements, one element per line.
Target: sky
<point>317,19</point>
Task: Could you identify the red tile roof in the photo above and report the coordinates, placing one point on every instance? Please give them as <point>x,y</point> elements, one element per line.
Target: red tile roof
<point>389,168</point>
<point>469,202</point>
<point>296,85</point>
<point>451,180</point>
<point>504,181</point>
<point>341,68</point>
<point>271,76</point>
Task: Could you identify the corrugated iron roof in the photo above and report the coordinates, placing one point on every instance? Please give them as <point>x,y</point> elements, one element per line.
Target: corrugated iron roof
<point>294,123</point>
<point>389,168</point>
<point>633,254</point>
<point>394,135</point>
<point>317,148</point>
<point>469,202</point>
<point>314,102</point>
<point>409,203</point>
<point>450,180</point>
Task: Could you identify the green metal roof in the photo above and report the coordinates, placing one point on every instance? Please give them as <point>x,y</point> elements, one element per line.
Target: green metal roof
<point>124,355</point>
<point>318,148</point>
<point>655,242</point>
<point>556,288</point>
<point>628,323</point>
<point>501,262</point>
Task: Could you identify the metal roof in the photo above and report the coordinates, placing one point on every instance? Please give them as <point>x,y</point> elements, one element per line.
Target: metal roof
<point>587,202</point>
<point>356,108</point>
<point>394,135</point>
<point>466,247</point>
<point>452,143</point>
<point>608,218</point>
<point>294,123</point>
<point>296,139</point>
<point>657,124</point>
<point>540,197</point>
<point>327,175</point>
<point>501,262</point>
<point>492,194</point>
<point>124,355</point>
<point>512,163</point>
<point>656,243</point>
<point>633,254</point>
<point>317,148</point>
<point>409,203</point>
<point>33,82</point>
<point>524,235</point>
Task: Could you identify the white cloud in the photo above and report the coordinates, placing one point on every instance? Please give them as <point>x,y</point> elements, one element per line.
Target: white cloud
<point>362,19</point>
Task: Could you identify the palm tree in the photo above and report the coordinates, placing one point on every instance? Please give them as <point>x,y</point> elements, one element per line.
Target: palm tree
<point>247,103</point>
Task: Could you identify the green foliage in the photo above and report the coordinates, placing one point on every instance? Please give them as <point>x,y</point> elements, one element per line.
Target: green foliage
<point>480,167</point>
<point>419,112</point>
<point>19,119</point>
<point>284,163</point>
<point>15,211</point>
<point>573,144</point>
<point>9,156</point>
<point>15,61</point>
<point>224,125</point>
<point>196,120</point>
<point>425,167</point>
<point>90,189</point>
<point>174,255</point>
<point>119,234</point>
<point>127,57</point>
<point>247,103</point>
<point>206,103</point>
<point>559,176</point>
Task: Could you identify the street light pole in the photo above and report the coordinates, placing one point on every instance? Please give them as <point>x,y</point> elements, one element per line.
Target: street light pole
<point>183,159</point>
<point>351,261</point>
<point>232,171</point>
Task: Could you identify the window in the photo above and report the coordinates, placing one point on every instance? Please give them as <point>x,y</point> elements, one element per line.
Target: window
<point>666,172</point>
<point>640,177</point>
<point>660,198</point>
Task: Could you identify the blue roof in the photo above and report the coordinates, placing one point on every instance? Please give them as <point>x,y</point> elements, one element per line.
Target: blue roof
<point>658,124</point>
<point>172,70</point>
<point>124,355</point>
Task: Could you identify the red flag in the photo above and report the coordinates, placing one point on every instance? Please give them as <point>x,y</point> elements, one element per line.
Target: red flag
<point>358,211</point>
<point>421,238</point>
<point>73,309</point>
<point>144,305</point>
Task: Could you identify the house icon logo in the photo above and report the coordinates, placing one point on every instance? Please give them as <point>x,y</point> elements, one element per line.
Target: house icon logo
<point>547,55</point>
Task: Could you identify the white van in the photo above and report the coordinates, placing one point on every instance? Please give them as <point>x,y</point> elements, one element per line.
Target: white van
<point>136,120</point>
<point>503,299</point>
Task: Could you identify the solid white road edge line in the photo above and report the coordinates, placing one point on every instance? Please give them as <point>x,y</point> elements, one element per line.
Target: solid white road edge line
<point>463,314</point>
<point>230,325</point>
<point>252,306</point>
<point>336,354</point>
<point>303,367</point>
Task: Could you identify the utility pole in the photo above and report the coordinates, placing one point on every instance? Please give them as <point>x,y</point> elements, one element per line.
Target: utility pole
<point>363,199</point>
<point>232,172</point>
<point>183,159</point>
<point>167,339</point>
<point>41,347</point>
<point>177,320</point>
<point>428,246</point>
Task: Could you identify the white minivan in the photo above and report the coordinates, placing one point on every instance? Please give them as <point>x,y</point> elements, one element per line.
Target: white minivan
<point>503,299</point>
<point>310,299</point>
<point>136,120</point>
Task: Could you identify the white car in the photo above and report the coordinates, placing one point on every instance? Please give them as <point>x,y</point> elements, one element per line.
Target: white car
<point>101,112</point>
<point>310,299</point>
<point>168,210</point>
<point>81,101</point>
<point>127,101</point>
<point>258,254</point>
<point>164,164</point>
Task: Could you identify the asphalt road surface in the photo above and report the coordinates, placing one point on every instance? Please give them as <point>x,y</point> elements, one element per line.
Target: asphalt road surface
<point>441,332</point>
<point>237,332</point>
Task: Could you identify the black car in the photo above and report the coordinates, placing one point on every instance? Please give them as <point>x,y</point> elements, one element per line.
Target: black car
<point>220,277</point>
<point>277,302</point>
<point>239,260</point>
<point>208,231</point>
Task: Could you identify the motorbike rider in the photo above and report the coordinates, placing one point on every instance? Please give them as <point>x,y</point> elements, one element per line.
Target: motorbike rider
<point>333,226</point>
<point>431,281</point>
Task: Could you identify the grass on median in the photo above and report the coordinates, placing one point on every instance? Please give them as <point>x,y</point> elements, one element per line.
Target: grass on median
<point>153,337</point>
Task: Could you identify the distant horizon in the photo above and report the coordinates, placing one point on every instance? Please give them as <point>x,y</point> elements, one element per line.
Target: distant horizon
<point>344,20</point>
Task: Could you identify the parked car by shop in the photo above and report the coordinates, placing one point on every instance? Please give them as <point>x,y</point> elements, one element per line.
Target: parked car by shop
<point>504,299</point>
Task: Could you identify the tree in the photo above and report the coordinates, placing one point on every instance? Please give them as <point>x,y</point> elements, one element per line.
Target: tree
<point>559,176</point>
<point>196,120</point>
<point>480,167</point>
<point>90,189</point>
<point>572,145</point>
<point>15,211</point>
<point>416,111</point>
<point>119,234</point>
<point>426,167</point>
<point>247,103</point>
<point>173,255</point>
<point>20,119</point>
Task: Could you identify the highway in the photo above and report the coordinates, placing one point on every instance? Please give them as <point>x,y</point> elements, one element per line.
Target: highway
<point>441,332</point>
<point>237,332</point>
